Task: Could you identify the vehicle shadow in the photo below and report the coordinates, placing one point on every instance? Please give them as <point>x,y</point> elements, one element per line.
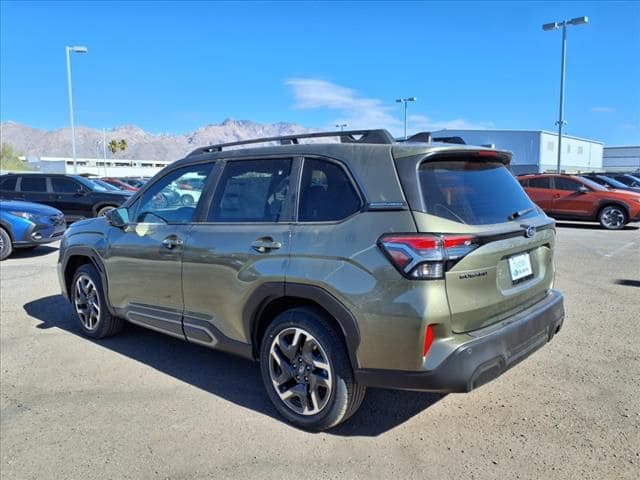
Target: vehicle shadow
<point>592,226</point>
<point>38,251</point>
<point>233,378</point>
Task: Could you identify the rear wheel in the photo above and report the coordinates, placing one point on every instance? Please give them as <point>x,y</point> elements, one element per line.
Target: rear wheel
<point>612,217</point>
<point>6,246</point>
<point>306,370</point>
<point>187,200</point>
<point>90,304</point>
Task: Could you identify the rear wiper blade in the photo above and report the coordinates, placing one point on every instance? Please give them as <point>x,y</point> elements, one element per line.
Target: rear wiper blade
<point>520,213</point>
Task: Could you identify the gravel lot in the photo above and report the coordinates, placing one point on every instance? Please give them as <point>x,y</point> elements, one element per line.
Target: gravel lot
<point>143,405</point>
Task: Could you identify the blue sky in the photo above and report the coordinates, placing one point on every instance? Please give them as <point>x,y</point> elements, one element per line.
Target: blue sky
<point>176,66</point>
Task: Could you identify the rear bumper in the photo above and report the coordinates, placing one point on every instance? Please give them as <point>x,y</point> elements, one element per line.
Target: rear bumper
<point>493,351</point>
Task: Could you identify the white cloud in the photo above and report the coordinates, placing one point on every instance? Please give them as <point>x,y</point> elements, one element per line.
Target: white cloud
<point>362,112</point>
<point>422,122</point>
<point>603,109</point>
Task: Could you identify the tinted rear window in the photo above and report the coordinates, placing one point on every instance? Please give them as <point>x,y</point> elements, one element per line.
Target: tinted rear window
<point>471,192</point>
<point>8,183</point>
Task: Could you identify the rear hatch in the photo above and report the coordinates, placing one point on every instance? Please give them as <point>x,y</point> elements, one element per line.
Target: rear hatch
<point>496,243</point>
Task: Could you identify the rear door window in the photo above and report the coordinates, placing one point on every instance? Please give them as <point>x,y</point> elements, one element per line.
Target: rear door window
<point>33,184</point>
<point>252,191</point>
<point>472,192</point>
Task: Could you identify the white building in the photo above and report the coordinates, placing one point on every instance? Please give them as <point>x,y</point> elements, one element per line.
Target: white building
<point>621,159</point>
<point>112,167</point>
<point>535,151</point>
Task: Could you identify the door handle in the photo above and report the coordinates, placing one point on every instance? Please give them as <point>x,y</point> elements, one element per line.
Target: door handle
<point>557,195</point>
<point>266,244</point>
<point>171,242</point>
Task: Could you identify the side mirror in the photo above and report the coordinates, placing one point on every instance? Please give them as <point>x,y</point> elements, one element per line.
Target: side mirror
<point>118,217</point>
<point>81,191</point>
<point>583,189</point>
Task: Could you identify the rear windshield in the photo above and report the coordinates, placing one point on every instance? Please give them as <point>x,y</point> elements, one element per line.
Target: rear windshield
<point>472,192</point>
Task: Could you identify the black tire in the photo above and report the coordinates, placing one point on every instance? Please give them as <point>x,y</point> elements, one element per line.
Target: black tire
<point>613,217</point>
<point>103,210</point>
<point>105,324</point>
<point>187,200</point>
<point>345,394</point>
<point>6,246</point>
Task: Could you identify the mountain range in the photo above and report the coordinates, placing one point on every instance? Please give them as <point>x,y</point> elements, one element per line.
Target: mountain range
<point>142,145</point>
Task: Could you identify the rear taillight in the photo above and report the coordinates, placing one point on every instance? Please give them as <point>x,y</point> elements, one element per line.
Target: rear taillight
<point>426,257</point>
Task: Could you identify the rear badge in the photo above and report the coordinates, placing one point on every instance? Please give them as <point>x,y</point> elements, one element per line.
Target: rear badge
<point>467,276</point>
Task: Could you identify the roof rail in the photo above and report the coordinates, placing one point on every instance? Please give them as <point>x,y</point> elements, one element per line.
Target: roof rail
<point>380,136</point>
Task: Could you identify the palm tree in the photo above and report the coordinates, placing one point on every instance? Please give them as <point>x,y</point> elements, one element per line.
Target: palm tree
<point>115,146</point>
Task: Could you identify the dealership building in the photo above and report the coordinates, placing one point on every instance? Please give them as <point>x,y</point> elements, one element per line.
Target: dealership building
<point>621,159</point>
<point>536,151</point>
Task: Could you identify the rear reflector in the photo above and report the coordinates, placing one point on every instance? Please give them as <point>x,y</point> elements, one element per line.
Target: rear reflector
<point>426,257</point>
<point>428,340</point>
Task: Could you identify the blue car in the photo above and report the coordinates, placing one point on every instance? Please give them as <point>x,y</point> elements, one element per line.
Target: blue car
<point>27,225</point>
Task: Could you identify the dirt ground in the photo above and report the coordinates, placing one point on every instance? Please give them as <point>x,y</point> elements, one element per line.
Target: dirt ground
<point>143,405</point>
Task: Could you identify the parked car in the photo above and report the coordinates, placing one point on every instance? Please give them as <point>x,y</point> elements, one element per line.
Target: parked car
<point>607,181</point>
<point>119,184</point>
<point>567,197</point>
<point>27,225</point>
<point>629,179</point>
<point>432,271</point>
<point>76,196</point>
<point>137,182</point>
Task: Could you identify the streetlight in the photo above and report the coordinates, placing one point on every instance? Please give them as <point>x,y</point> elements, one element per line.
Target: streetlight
<point>341,126</point>
<point>554,26</point>
<point>405,101</point>
<point>76,49</point>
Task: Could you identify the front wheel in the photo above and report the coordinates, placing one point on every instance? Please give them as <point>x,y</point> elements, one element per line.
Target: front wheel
<point>612,217</point>
<point>90,304</point>
<point>103,211</point>
<point>306,370</point>
<point>6,247</point>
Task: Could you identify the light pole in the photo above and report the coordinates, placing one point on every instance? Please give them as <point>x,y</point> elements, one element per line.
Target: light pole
<point>341,126</point>
<point>77,49</point>
<point>554,26</point>
<point>405,101</point>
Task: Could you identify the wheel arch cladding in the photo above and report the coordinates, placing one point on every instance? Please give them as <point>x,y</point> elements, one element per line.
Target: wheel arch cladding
<point>273,298</point>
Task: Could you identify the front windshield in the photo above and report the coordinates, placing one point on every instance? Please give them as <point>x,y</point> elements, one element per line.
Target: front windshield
<point>92,185</point>
<point>106,185</point>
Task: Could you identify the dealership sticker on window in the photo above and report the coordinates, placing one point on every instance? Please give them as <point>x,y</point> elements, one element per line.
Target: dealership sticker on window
<point>520,266</point>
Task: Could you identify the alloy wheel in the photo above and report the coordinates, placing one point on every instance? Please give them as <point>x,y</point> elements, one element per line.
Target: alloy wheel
<point>613,218</point>
<point>300,371</point>
<point>87,302</point>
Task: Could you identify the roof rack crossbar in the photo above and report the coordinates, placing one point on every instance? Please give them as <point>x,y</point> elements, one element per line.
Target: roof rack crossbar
<point>380,136</point>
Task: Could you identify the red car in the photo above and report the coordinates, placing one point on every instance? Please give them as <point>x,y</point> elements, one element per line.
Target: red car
<point>116,182</point>
<point>570,197</point>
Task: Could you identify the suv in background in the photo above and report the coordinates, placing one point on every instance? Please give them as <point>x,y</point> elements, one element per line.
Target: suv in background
<point>629,179</point>
<point>338,266</point>
<point>569,197</point>
<point>75,196</point>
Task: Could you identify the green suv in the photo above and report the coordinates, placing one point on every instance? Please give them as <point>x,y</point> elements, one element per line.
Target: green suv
<point>360,262</point>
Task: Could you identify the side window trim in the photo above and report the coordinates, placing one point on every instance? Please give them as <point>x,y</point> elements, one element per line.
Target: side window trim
<point>352,181</point>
